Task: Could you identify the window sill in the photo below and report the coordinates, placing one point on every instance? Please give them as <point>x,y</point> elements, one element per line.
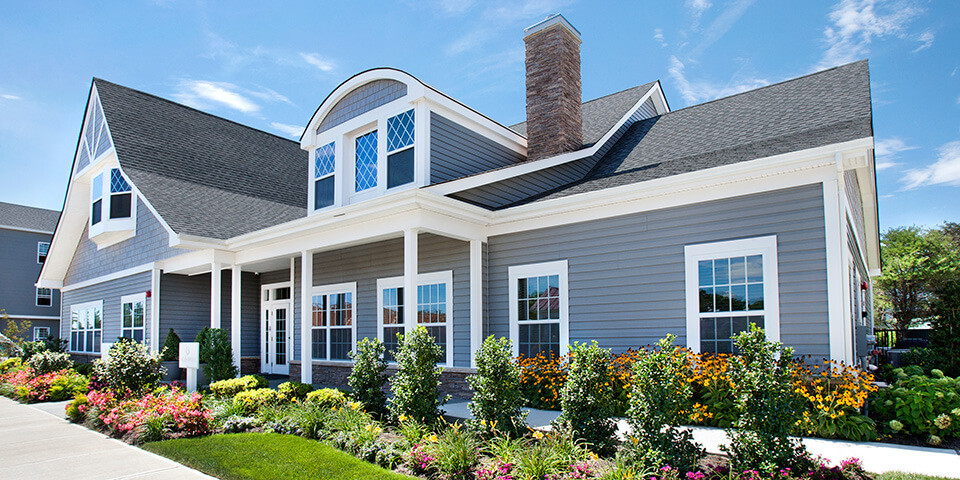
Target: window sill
<point>112,231</point>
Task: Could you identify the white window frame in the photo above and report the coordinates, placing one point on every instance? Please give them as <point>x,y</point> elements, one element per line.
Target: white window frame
<point>350,147</point>
<point>36,334</point>
<point>109,231</point>
<point>74,309</point>
<point>349,287</point>
<point>387,153</point>
<point>39,296</point>
<point>140,298</point>
<point>337,177</point>
<point>445,277</point>
<point>517,272</point>
<point>765,246</point>
<point>40,262</point>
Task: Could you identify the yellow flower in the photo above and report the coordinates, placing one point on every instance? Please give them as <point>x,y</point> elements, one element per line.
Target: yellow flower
<point>354,405</point>
<point>538,435</point>
<point>432,438</point>
<point>403,418</point>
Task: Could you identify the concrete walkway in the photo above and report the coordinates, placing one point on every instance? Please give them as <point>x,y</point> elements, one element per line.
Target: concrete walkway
<point>37,443</point>
<point>876,457</point>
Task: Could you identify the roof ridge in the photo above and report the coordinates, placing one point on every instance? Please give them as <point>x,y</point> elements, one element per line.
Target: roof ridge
<point>28,206</point>
<point>167,100</point>
<point>604,96</point>
<point>782,82</point>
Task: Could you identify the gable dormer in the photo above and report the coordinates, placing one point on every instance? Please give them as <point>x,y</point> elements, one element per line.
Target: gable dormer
<point>372,137</point>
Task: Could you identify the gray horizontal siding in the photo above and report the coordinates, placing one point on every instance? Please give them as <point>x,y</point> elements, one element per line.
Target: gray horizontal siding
<point>456,151</point>
<point>18,262</point>
<point>151,243</point>
<point>852,186</point>
<point>361,100</point>
<point>109,292</point>
<point>626,273</point>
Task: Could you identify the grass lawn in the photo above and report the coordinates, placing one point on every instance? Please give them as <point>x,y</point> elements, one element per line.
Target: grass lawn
<point>244,456</point>
<point>908,476</point>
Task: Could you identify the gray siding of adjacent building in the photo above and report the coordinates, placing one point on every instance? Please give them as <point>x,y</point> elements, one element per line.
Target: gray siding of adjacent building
<point>109,292</point>
<point>18,262</point>
<point>151,243</point>
<point>626,273</point>
<point>512,190</point>
<point>456,151</point>
<point>185,307</point>
<point>362,100</point>
<point>856,201</point>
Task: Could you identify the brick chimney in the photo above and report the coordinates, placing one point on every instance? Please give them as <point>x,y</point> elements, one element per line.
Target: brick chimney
<point>554,116</point>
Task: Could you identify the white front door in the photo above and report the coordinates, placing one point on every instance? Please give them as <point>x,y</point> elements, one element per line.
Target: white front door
<point>277,339</point>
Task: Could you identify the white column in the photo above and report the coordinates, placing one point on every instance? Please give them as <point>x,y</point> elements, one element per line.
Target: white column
<point>306,303</point>
<point>155,341</point>
<point>476,299</point>
<point>235,297</point>
<point>410,252</point>
<point>835,277</point>
<point>215,295</point>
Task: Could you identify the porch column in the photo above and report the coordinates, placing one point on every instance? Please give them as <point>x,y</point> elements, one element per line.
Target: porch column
<point>476,299</point>
<point>410,253</point>
<point>306,315</point>
<point>235,297</point>
<point>215,284</point>
<point>155,341</point>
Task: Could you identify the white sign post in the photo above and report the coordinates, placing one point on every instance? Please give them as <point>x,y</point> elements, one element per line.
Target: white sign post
<point>190,360</point>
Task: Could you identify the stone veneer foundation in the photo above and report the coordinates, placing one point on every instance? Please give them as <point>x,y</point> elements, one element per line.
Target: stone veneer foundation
<point>453,381</point>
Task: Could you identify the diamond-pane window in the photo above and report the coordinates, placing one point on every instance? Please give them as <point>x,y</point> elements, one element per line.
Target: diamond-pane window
<point>366,161</point>
<point>400,131</point>
<point>324,160</point>
<point>117,182</point>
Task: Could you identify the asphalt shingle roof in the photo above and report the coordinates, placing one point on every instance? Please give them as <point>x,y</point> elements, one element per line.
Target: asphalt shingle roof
<point>205,175</point>
<point>601,114</point>
<point>814,110</point>
<point>31,218</point>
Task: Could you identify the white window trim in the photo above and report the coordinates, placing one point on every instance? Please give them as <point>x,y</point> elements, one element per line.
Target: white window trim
<point>348,287</point>
<point>515,273</point>
<point>84,306</point>
<point>337,177</point>
<point>37,329</point>
<point>37,297</point>
<point>445,277</point>
<point>135,298</point>
<point>350,157</point>
<point>766,246</point>
<point>109,231</point>
<point>38,252</point>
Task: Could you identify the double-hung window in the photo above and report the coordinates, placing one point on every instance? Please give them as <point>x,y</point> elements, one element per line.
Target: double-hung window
<point>539,316</point>
<point>434,310</point>
<point>42,249</point>
<point>324,182</point>
<point>729,286</point>
<point>333,329</point>
<point>40,333</point>
<point>44,297</point>
<point>131,312</point>
<point>400,158</point>
<point>366,161</point>
<point>96,199</point>
<point>86,327</point>
<point>120,195</point>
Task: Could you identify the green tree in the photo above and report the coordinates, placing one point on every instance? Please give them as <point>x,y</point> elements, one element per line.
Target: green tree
<point>945,304</point>
<point>913,262</point>
<point>15,330</point>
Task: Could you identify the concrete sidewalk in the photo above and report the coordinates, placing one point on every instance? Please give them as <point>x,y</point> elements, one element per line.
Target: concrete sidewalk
<point>876,457</point>
<point>37,443</point>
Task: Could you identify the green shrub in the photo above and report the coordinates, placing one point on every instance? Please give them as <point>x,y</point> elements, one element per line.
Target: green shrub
<point>49,362</point>
<point>171,347</point>
<point>29,349</point>
<point>85,369</point>
<point>416,386</point>
<point>660,394</point>
<point>455,452</point>
<point>233,386</point>
<point>216,354</point>
<point>919,405</point>
<point>11,365</point>
<point>767,405</point>
<point>497,398</point>
<point>587,397</point>
<point>73,408</point>
<point>129,366</point>
<point>327,398</point>
<point>66,386</point>
<point>250,401</point>
<point>294,390</point>
<point>367,376</point>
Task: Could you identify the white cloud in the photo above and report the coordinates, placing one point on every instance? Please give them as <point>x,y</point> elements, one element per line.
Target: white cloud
<point>694,91</point>
<point>658,36</point>
<point>856,23</point>
<point>291,130</point>
<point>203,94</point>
<point>721,25</point>
<point>887,150</point>
<point>317,61</point>
<point>945,171</point>
<point>698,6</point>
<point>927,39</point>
<point>8,96</point>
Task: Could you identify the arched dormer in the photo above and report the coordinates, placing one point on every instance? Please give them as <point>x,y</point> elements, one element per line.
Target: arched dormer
<point>371,137</point>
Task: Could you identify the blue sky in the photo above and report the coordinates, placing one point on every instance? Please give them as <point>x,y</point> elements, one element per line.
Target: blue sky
<point>270,64</point>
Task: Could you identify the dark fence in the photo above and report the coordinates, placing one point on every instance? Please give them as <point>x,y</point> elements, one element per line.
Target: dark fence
<point>890,338</point>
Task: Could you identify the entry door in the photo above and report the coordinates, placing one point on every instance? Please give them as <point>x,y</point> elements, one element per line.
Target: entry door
<point>278,338</point>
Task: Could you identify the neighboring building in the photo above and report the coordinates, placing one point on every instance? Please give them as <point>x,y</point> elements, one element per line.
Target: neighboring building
<point>616,220</point>
<point>25,234</point>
